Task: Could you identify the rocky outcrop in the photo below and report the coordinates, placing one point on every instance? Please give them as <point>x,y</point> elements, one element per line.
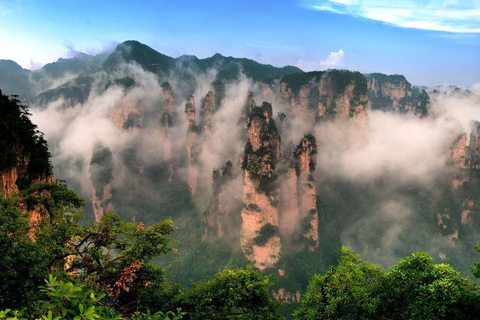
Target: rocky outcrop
<point>334,94</point>
<point>288,297</point>
<point>126,115</point>
<point>260,239</point>
<point>206,111</point>
<point>168,100</point>
<point>101,176</point>
<point>210,104</point>
<point>393,93</point>
<point>298,202</point>
<point>305,161</point>
<point>458,152</point>
<point>192,145</point>
<point>216,215</point>
<point>474,147</point>
<point>8,181</point>
<point>168,107</point>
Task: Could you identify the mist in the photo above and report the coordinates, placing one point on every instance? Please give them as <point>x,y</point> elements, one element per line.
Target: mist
<point>384,158</point>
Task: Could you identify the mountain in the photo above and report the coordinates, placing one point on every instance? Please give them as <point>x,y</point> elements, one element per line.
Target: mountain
<point>272,167</point>
<point>71,78</point>
<point>14,79</point>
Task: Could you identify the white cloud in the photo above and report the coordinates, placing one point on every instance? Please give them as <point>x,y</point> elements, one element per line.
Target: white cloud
<point>335,59</point>
<point>445,16</point>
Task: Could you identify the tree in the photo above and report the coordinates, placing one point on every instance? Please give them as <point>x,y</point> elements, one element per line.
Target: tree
<point>232,294</point>
<point>347,291</point>
<point>114,256</point>
<point>416,288</point>
<point>30,250</point>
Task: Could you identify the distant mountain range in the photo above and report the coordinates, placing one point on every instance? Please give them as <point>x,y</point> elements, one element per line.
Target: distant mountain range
<point>77,71</point>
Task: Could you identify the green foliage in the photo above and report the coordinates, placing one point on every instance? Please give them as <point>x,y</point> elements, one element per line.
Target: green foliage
<point>114,256</point>
<point>70,301</point>
<point>21,142</point>
<point>414,288</point>
<point>295,81</point>
<point>347,291</point>
<point>29,252</point>
<point>231,294</point>
<point>265,233</point>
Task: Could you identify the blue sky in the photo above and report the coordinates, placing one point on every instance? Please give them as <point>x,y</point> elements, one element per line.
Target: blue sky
<point>431,42</point>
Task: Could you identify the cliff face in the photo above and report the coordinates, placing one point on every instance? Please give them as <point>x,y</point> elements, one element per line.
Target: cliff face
<point>206,111</point>
<point>334,94</point>
<point>168,107</point>
<point>210,104</point>
<point>306,160</point>
<point>25,159</point>
<point>395,94</point>
<point>260,240</point>
<point>458,152</point>
<point>474,147</point>
<point>298,202</point>
<point>101,176</point>
<point>8,181</point>
<point>126,115</point>
<point>216,215</point>
<point>192,145</point>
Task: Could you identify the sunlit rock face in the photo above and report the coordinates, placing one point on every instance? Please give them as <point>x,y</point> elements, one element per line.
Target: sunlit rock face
<point>318,96</point>
<point>306,159</point>
<point>474,146</point>
<point>260,239</point>
<point>393,93</point>
<point>458,152</point>
<point>127,114</point>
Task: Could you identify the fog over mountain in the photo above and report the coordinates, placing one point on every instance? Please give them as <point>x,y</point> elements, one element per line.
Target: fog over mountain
<point>301,162</point>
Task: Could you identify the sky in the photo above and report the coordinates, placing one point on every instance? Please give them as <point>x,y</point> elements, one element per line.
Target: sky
<point>431,42</point>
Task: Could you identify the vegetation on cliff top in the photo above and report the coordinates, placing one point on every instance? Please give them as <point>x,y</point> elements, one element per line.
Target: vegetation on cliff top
<point>21,143</point>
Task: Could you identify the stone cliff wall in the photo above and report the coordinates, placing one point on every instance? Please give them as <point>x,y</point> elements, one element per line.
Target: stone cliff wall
<point>260,239</point>
<point>393,93</point>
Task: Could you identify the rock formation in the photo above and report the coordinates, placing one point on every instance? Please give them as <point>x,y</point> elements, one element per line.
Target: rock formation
<point>210,104</point>
<point>458,152</point>
<point>206,111</point>
<point>126,115</point>
<point>192,145</point>
<point>334,94</point>
<point>305,161</point>
<point>260,239</point>
<point>168,107</point>
<point>394,93</point>
<point>474,146</point>
<point>101,176</point>
<point>215,216</point>
<point>298,202</point>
